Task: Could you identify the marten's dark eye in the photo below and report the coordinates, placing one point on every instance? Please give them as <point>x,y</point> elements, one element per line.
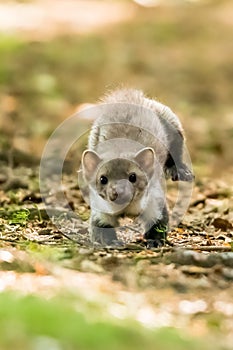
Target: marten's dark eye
<point>132,177</point>
<point>103,180</point>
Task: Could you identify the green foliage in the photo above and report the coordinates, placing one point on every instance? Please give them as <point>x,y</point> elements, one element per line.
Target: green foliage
<point>10,46</point>
<point>160,228</point>
<point>19,217</point>
<point>48,253</point>
<point>28,322</point>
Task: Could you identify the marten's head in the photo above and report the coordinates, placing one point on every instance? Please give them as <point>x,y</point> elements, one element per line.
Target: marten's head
<point>119,180</point>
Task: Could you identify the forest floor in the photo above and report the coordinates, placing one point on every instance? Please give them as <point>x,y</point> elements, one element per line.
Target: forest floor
<point>187,286</point>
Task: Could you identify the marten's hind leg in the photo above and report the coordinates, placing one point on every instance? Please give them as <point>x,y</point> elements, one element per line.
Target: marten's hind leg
<point>177,171</point>
<point>174,167</point>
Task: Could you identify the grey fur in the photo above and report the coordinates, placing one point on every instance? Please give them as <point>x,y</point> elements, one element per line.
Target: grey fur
<point>131,132</point>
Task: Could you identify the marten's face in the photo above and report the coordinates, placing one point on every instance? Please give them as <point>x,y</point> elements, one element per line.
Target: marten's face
<point>120,181</point>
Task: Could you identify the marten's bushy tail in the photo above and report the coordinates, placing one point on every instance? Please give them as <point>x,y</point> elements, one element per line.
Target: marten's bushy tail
<point>137,97</point>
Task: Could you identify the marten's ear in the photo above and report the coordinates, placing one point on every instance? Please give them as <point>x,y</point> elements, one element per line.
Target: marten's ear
<point>146,159</point>
<point>90,161</point>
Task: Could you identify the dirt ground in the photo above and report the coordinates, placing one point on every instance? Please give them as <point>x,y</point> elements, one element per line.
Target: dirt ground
<point>187,285</point>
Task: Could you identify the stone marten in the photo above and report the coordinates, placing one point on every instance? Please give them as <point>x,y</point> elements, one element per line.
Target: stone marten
<point>135,142</point>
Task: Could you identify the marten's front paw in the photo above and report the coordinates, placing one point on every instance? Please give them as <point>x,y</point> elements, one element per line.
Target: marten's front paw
<point>157,243</point>
<point>182,173</point>
<point>156,236</point>
<point>115,244</point>
<point>105,237</point>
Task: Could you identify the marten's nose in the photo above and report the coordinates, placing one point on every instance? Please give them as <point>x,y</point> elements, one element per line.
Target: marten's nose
<point>121,192</point>
<point>113,195</point>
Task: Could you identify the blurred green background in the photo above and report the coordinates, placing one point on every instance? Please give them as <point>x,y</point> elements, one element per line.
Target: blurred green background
<point>59,54</point>
<point>31,323</point>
